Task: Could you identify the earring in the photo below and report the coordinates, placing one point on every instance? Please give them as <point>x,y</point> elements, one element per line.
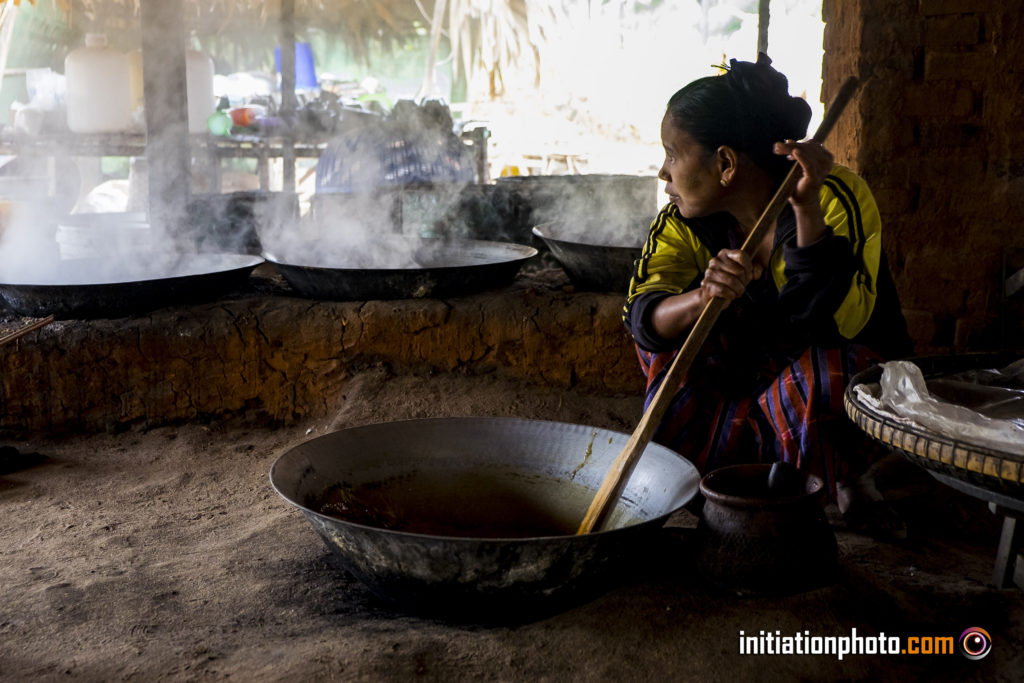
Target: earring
<point>724,183</point>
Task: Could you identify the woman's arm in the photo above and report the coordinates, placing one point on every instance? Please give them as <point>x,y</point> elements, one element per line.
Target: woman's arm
<point>726,277</point>
<point>830,284</point>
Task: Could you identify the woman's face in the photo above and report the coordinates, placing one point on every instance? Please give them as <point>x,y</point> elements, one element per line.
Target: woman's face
<point>691,181</point>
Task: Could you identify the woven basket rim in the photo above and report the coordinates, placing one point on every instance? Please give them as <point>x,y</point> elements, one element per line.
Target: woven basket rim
<point>946,453</point>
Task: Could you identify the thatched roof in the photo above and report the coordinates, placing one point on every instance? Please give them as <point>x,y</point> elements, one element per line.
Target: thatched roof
<point>492,35</point>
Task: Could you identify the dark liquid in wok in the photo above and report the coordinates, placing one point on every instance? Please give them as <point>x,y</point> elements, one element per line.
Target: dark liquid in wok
<point>464,505</point>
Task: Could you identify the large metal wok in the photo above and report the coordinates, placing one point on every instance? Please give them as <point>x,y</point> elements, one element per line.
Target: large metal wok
<point>596,255</point>
<point>110,288</point>
<point>477,516</point>
<point>400,267</point>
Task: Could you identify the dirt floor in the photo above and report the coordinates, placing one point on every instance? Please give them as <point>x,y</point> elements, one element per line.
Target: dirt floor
<point>166,555</point>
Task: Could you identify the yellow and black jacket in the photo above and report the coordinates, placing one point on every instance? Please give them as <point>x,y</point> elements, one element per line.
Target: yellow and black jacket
<point>837,289</point>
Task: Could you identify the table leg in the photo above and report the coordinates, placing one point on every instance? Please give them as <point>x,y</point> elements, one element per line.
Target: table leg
<point>1009,566</point>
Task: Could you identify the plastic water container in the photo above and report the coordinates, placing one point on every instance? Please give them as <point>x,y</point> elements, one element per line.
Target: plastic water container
<point>201,100</point>
<point>99,91</point>
<point>305,69</point>
<point>135,66</point>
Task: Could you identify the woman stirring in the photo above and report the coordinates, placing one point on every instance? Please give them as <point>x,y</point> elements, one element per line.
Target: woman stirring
<point>815,304</point>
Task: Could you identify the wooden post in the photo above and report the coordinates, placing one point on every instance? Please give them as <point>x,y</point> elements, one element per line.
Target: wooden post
<point>429,87</point>
<point>165,92</point>
<point>289,103</point>
<point>763,17</point>
<point>8,15</point>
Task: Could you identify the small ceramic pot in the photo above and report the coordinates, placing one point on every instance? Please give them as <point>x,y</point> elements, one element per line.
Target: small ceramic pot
<point>752,539</point>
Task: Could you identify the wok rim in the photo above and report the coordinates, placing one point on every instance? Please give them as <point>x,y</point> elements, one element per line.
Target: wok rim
<point>538,230</point>
<point>523,251</point>
<point>250,262</point>
<point>648,524</point>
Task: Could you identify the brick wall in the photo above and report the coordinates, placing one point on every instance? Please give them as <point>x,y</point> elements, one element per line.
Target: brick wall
<point>937,129</point>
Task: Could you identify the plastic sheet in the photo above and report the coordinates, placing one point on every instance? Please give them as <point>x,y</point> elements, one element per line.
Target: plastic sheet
<point>982,407</point>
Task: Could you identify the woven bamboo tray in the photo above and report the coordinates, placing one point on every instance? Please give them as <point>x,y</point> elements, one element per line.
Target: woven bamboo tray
<point>943,453</point>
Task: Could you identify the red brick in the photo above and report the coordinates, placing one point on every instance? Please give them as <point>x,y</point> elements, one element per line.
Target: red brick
<point>883,37</point>
<point>1015,200</point>
<point>956,168</point>
<point>952,197</point>
<point>943,101</point>
<point>975,332</point>
<point>934,7</point>
<point>893,200</point>
<point>951,31</point>
<point>933,278</point>
<point>965,136</point>
<point>957,66</point>
<point>921,325</point>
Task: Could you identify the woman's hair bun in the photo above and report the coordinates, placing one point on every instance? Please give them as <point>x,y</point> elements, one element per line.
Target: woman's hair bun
<point>748,108</point>
<point>757,85</point>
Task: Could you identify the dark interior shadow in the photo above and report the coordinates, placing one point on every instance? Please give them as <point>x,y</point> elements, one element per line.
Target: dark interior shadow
<point>12,460</point>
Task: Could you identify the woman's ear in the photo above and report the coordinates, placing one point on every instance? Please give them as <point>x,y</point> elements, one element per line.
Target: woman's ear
<point>727,161</point>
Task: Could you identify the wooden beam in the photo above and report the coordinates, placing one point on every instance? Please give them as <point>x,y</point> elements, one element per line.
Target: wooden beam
<point>763,18</point>
<point>289,103</point>
<point>8,15</point>
<point>165,91</point>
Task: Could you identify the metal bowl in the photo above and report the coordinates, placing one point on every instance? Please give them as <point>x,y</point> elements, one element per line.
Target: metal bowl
<point>593,260</point>
<point>112,288</point>
<point>400,267</point>
<point>482,511</point>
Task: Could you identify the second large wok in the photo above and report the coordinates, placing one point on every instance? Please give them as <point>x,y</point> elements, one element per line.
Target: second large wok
<point>476,517</point>
<point>399,267</point>
<point>600,256</point>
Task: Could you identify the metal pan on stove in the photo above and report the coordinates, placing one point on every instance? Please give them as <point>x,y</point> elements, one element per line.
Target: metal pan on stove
<point>400,267</point>
<point>598,256</point>
<point>93,288</point>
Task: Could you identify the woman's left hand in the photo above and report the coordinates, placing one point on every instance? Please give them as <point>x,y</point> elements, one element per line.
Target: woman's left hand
<point>815,163</point>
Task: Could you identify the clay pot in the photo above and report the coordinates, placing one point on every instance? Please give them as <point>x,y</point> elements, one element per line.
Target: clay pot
<point>752,539</point>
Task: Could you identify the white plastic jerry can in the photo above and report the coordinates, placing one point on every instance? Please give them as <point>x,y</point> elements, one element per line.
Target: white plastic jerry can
<point>99,90</point>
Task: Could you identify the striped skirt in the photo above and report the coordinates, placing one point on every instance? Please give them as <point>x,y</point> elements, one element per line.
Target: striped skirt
<point>789,412</point>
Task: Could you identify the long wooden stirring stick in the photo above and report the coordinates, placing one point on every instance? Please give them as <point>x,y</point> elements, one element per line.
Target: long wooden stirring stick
<point>11,336</point>
<point>623,466</point>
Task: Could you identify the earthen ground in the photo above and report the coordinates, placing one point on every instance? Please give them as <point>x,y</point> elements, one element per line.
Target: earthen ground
<point>164,554</point>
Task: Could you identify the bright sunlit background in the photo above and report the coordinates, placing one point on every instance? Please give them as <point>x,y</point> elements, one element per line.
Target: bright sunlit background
<point>562,86</point>
<point>607,73</point>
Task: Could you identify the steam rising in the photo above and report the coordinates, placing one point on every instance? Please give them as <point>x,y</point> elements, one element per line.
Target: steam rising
<point>42,244</point>
<point>386,187</point>
<point>605,210</point>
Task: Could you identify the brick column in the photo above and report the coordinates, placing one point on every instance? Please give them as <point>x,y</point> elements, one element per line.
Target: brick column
<point>937,131</point>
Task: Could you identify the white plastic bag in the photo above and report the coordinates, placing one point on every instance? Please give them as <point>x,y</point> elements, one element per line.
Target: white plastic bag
<point>987,406</point>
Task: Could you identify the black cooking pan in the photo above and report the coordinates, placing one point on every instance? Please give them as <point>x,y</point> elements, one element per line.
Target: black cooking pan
<point>93,288</point>
<point>399,267</point>
<point>596,255</point>
<point>474,518</point>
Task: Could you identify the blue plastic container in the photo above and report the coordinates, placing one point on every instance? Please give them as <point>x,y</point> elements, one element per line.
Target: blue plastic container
<point>305,70</point>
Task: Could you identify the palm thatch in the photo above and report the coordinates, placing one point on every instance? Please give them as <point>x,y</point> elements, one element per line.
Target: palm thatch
<point>491,36</point>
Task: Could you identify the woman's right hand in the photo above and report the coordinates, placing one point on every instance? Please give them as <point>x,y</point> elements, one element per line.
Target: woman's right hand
<point>728,275</point>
